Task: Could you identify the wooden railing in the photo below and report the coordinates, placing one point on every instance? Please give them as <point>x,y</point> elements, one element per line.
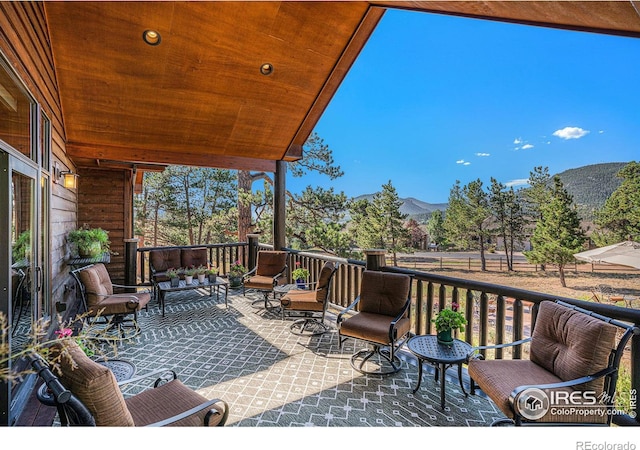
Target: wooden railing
<point>495,314</point>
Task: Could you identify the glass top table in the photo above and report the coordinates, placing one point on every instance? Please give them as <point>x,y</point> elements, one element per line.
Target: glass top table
<point>165,286</point>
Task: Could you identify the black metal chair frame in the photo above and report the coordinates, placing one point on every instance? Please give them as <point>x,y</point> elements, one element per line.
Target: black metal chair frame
<point>610,373</point>
<point>387,353</point>
<point>117,322</point>
<point>310,319</point>
<point>72,412</point>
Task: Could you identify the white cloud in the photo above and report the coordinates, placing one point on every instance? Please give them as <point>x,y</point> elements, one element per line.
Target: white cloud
<point>483,154</point>
<point>527,146</point>
<point>571,133</point>
<point>517,141</point>
<point>601,131</point>
<point>517,182</point>
<point>460,161</point>
<point>466,163</point>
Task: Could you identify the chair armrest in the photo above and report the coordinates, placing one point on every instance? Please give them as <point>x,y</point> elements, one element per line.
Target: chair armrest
<point>475,350</point>
<point>154,373</point>
<point>124,286</point>
<point>339,319</point>
<point>132,298</point>
<point>392,326</point>
<point>192,411</point>
<point>249,273</point>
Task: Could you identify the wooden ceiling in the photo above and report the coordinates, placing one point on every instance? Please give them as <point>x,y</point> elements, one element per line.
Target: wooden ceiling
<point>198,98</point>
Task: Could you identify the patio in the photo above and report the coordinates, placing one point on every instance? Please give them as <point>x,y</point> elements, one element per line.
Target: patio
<point>273,378</point>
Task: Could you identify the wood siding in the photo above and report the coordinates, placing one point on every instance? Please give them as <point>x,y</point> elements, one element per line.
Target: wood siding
<point>104,201</point>
<point>25,44</point>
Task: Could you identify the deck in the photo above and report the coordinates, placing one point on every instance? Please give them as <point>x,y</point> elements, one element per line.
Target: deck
<point>273,378</point>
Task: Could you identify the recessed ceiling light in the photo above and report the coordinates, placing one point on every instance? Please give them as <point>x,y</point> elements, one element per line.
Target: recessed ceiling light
<point>151,37</point>
<point>266,69</point>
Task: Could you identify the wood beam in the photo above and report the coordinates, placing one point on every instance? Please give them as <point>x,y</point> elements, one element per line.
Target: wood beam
<point>349,55</point>
<point>188,158</point>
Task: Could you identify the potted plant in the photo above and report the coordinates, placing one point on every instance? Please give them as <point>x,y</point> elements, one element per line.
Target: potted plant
<point>236,272</point>
<point>300,274</point>
<point>90,242</point>
<point>446,321</point>
<point>174,276</point>
<point>188,275</point>
<point>201,272</point>
<point>212,274</point>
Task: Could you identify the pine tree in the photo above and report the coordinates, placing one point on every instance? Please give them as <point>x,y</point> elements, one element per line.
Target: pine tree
<point>557,235</point>
<point>509,217</point>
<point>619,218</point>
<point>435,228</point>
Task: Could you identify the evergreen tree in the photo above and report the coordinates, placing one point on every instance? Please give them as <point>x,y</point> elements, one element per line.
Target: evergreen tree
<point>379,223</point>
<point>536,196</point>
<point>466,218</point>
<point>557,235</point>
<point>619,218</point>
<point>508,216</point>
<point>435,228</point>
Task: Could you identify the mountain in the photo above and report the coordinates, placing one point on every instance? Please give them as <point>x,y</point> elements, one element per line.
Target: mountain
<point>416,209</point>
<point>591,185</point>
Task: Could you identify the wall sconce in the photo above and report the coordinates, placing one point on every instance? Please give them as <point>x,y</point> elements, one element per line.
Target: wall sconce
<point>69,179</point>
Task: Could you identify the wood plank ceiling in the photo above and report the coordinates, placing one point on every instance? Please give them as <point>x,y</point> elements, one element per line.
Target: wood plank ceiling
<point>199,98</point>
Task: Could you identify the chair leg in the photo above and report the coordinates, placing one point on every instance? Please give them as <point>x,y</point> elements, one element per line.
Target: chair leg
<point>385,357</point>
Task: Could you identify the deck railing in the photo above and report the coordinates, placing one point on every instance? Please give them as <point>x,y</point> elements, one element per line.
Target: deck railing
<point>495,314</point>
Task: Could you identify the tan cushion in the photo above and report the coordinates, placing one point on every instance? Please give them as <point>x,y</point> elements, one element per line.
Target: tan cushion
<point>97,283</point>
<point>373,327</point>
<point>161,260</point>
<point>167,400</point>
<point>571,344</point>
<point>95,386</point>
<point>498,378</point>
<point>259,282</point>
<point>120,304</point>
<point>383,293</point>
<point>194,257</point>
<point>301,300</point>
<point>270,263</point>
<point>326,275</point>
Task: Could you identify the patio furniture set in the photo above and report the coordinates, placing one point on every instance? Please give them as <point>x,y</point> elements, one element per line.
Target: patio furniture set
<point>571,350</point>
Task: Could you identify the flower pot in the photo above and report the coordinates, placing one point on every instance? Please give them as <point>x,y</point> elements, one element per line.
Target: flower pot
<point>235,281</point>
<point>300,283</point>
<point>175,281</point>
<point>188,279</point>
<point>445,337</point>
<point>212,278</point>
<point>201,277</point>
<point>90,250</point>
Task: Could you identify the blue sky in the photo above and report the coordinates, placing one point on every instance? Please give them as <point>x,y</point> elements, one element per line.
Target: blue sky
<point>433,99</point>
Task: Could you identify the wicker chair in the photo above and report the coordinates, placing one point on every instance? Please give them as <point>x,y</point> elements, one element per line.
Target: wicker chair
<point>86,393</point>
<point>573,354</point>
<point>311,303</point>
<point>382,320</point>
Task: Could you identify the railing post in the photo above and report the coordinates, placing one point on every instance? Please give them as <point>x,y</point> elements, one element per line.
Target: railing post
<point>376,259</point>
<point>130,263</point>
<point>253,240</point>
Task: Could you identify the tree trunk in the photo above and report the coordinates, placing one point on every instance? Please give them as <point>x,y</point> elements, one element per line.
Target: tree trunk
<point>483,261</point>
<point>244,210</point>
<point>562,280</point>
